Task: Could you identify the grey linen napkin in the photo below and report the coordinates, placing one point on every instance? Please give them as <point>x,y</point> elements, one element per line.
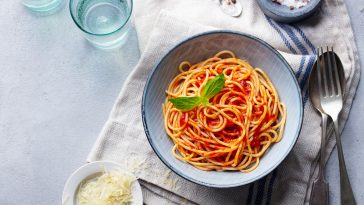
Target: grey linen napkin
<point>123,139</point>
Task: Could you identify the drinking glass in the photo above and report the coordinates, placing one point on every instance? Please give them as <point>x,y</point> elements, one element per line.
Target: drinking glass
<point>105,23</point>
<point>43,6</point>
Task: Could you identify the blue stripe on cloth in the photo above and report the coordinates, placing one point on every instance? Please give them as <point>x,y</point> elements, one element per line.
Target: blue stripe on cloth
<point>311,61</point>
<point>270,188</point>
<point>309,43</point>
<point>261,185</point>
<point>250,195</point>
<point>302,62</point>
<point>304,79</point>
<point>300,46</point>
<point>303,50</point>
<point>294,38</point>
<point>286,42</point>
<point>306,76</point>
<point>305,99</point>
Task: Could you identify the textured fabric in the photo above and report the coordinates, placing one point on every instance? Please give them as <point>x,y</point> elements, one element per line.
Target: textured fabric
<point>160,24</point>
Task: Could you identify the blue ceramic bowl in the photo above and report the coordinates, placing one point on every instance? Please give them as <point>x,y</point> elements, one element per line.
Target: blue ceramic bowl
<point>195,49</point>
<point>283,14</point>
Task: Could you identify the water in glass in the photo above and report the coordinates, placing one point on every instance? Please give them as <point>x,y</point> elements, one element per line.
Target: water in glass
<point>105,22</point>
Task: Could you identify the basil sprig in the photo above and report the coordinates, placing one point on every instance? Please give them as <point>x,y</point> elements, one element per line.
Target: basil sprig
<point>211,88</point>
<point>188,103</point>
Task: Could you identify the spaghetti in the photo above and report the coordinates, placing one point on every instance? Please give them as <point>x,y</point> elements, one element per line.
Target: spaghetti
<point>238,125</point>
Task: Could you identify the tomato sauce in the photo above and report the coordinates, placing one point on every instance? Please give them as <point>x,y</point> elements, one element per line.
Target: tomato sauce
<point>255,142</point>
<point>183,119</point>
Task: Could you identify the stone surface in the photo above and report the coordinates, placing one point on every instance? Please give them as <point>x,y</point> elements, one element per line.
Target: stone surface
<point>56,92</point>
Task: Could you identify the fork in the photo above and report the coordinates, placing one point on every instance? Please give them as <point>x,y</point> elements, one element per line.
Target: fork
<point>331,98</point>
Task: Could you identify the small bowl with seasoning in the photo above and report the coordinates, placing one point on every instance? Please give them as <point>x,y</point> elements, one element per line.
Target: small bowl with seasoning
<point>103,183</point>
<point>289,11</point>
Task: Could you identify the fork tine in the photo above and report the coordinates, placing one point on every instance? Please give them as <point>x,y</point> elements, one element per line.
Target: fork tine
<point>324,74</point>
<point>335,72</point>
<point>318,72</point>
<point>330,73</point>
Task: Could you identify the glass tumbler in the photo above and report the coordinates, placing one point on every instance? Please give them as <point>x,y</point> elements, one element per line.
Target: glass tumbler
<point>105,23</point>
<point>43,6</point>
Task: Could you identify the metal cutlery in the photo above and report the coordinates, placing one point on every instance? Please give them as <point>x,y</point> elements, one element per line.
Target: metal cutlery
<point>320,188</point>
<point>331,99</point>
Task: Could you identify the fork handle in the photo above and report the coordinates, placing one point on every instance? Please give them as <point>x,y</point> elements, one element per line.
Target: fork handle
<point>320,188</point>
<point>319,192</point>
<point>346,193</point>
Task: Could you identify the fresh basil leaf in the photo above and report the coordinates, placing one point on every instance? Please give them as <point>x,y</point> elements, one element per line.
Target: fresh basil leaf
<point>213,86</point>
<point>205,101</point>
<point>187,103</point>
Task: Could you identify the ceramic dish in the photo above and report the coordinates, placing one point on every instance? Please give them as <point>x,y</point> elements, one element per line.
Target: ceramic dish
<point>284,14</point>
<point>195,49</point>
<point>90,170</point>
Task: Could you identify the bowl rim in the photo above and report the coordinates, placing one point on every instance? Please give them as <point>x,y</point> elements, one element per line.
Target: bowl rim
<point>284,12</point>
<point>156,66</point>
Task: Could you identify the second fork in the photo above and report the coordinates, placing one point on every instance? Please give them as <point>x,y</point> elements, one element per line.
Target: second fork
<point>331,90</point>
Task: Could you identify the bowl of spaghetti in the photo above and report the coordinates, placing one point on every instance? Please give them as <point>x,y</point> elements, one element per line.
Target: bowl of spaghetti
<point>222,109</point>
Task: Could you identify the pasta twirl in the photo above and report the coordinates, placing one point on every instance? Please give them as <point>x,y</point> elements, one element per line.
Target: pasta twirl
<point>241,122</point>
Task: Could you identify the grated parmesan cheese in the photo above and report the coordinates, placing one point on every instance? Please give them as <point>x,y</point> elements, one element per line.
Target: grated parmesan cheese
<point>111,188</point>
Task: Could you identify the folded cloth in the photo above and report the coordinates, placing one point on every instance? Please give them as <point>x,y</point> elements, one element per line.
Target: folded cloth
<point>123,139</point>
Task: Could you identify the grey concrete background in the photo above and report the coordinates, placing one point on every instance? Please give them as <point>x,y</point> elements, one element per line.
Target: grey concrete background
<point>56,92</point>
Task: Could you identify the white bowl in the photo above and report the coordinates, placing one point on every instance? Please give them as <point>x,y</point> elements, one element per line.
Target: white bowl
<point>87,171</point>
